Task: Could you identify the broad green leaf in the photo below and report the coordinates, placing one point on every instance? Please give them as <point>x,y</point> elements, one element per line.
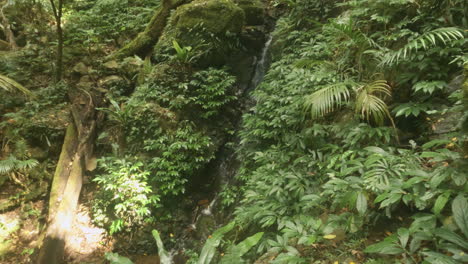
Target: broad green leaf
<point>212,243</point>
<point>361,203</point>
<point>244,246</point>
<point>460,213</point>
<point>403,235</point>
<point>163,254</point>
<point>440,203</point>
<point>236,252</point>
<point>376,150</point>
<point>384,247</point>
<point>437,258</point>
<point>451,236</point>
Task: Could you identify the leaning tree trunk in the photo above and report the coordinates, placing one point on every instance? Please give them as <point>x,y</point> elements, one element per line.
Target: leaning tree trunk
<point>145,41</point>
<point>68,179</point>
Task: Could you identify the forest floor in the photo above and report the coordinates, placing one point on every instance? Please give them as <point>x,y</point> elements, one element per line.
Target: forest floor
<point>20,231</point>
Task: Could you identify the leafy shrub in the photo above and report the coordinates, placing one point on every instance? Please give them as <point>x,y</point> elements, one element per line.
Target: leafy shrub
<point>124,198</point>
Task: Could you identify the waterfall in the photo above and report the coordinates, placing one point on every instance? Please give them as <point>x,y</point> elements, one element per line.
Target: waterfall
<point>227,164</point>
<point>224,169</point>
<point>262,65</point>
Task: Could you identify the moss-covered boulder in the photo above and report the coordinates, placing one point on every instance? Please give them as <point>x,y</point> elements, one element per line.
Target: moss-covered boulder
<point>254,11</point>
<point>215,16</point>
<point>209,27</point>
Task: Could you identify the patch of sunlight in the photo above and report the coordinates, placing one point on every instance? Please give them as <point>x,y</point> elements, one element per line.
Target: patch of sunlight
<point>6,247</point>
<point>84,238</point>
<point>9,223</point>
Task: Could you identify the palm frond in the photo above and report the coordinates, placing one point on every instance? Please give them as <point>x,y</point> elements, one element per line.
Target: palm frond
<point>12,164</point>
<point>368,103</point>
<point>328,98</point>
<point>8,165</point>
<point>350,32</point>
<point>425,41</point>
<point>11,85</point>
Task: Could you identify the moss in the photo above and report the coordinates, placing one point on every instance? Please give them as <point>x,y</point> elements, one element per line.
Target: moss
<point>254,11</point>
<point>216,16</point>
<point>208,26</point>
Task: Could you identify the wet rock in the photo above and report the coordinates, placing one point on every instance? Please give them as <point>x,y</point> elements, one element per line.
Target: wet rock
<point>254,11</point>
<point>205,226</point>
<point>446,123</point>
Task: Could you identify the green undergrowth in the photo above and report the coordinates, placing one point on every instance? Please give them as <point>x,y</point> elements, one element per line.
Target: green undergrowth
<point>172,125</point>
<point>332,166</point>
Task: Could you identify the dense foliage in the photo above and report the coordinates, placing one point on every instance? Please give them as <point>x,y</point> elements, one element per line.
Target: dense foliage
<point>353,148</point>
<point>309,178</point>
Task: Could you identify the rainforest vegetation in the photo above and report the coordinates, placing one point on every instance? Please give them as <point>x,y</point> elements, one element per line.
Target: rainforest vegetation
<point>234,131</point>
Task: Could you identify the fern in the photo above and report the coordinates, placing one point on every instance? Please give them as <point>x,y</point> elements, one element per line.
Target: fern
<point>425,41</point>
<point>11,85</point>
<point>328,98</point>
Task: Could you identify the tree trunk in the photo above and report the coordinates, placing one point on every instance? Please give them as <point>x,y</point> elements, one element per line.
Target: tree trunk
<point>57,11</point>
<point>145,41</point>
<point>68,178</point>
<point>10,37</point>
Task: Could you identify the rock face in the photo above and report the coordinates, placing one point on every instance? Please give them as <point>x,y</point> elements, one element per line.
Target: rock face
<point>254,11</point>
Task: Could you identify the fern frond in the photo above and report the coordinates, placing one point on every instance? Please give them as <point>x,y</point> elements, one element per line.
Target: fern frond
<point>328,98</point>
<point>11,85</point>
<point>425,41</point>
<point>368,103</point>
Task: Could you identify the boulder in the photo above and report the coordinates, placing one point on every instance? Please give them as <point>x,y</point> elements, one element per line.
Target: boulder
<point>215,16</point>
<point>254,11</point>
<point>207,26</point>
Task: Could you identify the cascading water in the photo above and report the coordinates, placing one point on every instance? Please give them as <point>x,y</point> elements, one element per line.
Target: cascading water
<point>227,163</point>
<point>225,167</point>
<point>262,65</point>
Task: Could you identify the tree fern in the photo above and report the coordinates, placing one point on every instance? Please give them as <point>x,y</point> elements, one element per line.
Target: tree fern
<point>425,41</point>
<point>11,85</point>
<point>328,98</point>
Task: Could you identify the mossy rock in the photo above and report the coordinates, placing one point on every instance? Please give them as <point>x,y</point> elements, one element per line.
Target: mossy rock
<point>216,16</point>
<point>254,11</point>
<point>205,25</point>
